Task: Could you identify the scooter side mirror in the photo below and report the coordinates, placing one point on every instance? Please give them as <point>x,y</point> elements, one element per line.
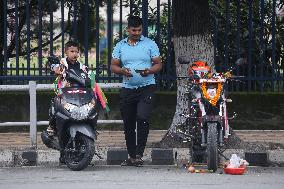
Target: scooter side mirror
<point>53,60</point>
<point>183,60</point>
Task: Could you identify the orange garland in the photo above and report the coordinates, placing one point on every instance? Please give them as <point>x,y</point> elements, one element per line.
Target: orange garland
<point>214,100</point>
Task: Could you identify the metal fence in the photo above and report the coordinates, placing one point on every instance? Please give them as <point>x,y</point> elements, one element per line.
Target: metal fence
<point>249,33</point>
<point>32,88</point>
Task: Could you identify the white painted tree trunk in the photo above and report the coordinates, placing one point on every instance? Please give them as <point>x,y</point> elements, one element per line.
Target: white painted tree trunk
<point>196,47</point>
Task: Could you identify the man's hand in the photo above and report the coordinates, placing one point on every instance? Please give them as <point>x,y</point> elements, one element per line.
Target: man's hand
<point>115,67</point>
<point>156,67</point>
<point>126,72</point>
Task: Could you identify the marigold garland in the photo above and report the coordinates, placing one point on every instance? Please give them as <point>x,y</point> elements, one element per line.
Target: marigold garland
<point>213,100</point>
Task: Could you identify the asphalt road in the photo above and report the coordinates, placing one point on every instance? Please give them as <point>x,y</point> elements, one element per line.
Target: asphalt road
<point>147,177</point>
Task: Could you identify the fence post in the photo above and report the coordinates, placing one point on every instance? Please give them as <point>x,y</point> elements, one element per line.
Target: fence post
<point>33,114</point>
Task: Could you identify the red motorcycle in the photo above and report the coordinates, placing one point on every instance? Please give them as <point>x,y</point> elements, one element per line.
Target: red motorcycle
<point>206,126</point>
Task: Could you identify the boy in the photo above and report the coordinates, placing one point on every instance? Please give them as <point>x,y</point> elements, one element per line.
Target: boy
<point>70,62</point>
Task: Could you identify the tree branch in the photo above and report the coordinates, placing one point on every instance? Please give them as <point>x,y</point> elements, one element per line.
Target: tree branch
<point>36,48</point>
<point>21,8</point>
<point>13,41</point>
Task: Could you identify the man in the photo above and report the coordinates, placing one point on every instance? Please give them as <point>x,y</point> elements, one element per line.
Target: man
<point>137,59</point>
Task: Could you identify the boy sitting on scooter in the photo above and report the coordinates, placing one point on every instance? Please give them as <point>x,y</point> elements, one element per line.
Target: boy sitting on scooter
<point>59,68</point>
<point>68,63</point>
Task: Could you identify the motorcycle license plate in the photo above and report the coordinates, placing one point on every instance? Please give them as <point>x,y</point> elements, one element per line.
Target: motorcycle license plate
<point>211,92</point>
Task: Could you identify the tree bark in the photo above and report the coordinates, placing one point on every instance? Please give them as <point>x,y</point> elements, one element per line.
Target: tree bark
<point>1,65</point>
<point>196,47</point>
<point>192,39</point>
<point>1,40</point>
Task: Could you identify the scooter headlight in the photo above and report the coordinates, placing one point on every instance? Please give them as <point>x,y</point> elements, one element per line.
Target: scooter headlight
<point>68,106</point>
<point>79,113</point>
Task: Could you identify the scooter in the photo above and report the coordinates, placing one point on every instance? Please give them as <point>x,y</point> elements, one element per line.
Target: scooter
<point>76,113</point>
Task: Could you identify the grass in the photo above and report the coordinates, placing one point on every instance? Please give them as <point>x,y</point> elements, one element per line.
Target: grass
<point>34,65</point>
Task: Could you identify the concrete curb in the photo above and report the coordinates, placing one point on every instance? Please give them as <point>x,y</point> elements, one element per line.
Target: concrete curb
<point>114,156</point>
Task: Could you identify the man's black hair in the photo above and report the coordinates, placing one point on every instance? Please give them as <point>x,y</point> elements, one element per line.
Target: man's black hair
<point>134,21</point>
<point>71,43</point>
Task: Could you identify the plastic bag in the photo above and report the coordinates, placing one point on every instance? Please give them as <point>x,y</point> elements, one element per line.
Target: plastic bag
<point>235,161</point>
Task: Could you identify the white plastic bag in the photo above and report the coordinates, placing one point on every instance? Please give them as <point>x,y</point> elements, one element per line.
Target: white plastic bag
<point>235,161</point>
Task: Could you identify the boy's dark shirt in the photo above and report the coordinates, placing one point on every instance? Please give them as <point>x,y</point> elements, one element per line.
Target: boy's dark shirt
<point>75,67</point>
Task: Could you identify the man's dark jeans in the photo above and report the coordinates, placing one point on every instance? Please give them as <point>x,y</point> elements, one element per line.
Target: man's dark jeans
<point>136,106</point>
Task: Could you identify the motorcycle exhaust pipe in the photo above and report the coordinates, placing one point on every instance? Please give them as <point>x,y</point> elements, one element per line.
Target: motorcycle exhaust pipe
<point>221,141</point>
<point>203,142</point>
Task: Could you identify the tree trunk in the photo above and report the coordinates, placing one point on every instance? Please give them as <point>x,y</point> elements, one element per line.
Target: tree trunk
<point>1,40</point>
<point>192,39</point>
<point>196,47</point>
<point>1,65</point>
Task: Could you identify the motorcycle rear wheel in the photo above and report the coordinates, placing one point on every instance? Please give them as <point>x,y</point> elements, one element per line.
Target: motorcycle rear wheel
<point>83,154</point>
<point>212,147</point>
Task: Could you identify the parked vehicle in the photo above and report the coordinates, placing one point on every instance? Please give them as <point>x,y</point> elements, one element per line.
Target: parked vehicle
<point>76,114</point>
<point>206,127</point>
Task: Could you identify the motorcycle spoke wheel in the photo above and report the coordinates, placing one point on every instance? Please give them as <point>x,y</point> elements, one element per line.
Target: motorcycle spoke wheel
<point>212,147</point>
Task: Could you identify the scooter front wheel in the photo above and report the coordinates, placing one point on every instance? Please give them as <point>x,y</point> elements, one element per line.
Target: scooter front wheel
<point>78,157</point>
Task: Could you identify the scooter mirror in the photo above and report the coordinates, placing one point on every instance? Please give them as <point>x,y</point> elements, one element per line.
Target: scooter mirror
<point>53,60</point>
<point>183,60</point>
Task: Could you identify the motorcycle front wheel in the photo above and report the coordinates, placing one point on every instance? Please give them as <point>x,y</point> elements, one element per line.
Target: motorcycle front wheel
<point>79,153</point>
<point>212,147</point>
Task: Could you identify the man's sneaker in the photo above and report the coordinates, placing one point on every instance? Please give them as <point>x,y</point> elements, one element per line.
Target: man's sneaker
<point>139,161</point>
<point>129,162</point>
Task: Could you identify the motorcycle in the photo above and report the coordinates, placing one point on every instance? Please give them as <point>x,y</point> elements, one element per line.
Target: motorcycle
<point>76,113</point>
<point>206,126</point>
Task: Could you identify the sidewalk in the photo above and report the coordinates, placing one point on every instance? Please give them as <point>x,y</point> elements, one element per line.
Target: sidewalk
<point>116,138</point>
<point>13,146</point>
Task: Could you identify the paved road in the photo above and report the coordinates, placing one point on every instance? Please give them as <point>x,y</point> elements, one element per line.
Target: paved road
<point>164,177</point>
